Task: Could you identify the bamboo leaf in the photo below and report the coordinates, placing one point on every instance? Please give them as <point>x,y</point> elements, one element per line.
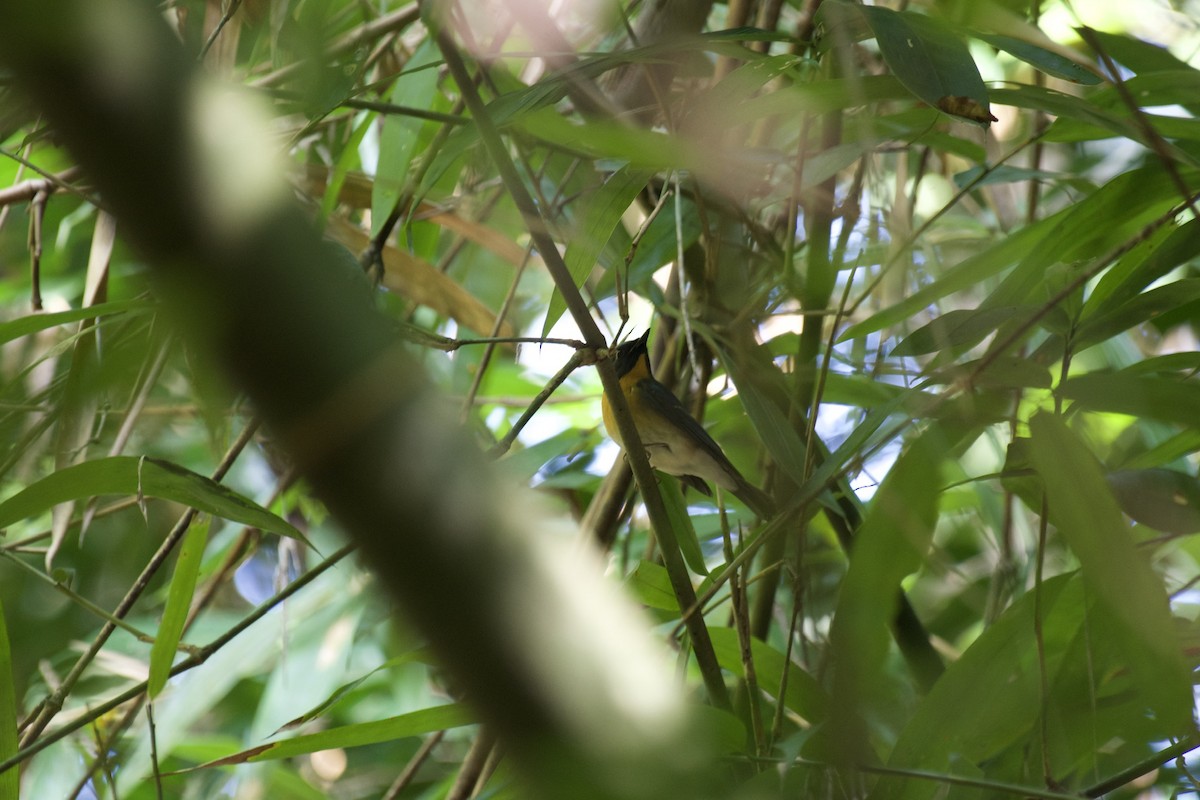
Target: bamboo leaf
<point>681,521</point>
<point>1045,60</point>
<point>596,224</point>
<point>652,586</point>
<point>804,695</point>
<point>179,601</point>
<point>149,477</point>
<point>1138,395</point>
<point>1162,499</point>
<point>891,544</point>
<point>398,140</point>
<point>1085,513</point>
<point>32,323</point>
<point>931,62</point>
<point>415,723</point>
<point>951,727</point>
<point>955,330</point>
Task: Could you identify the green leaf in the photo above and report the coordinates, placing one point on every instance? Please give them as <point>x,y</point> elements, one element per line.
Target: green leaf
<point>415,723</point>
<point>1089,228</point>
<point>1172,449</point>
<point>891,544</point>
<point>953,724</point>
<point>779,435</point>
<point>32,323</point>
<point>820,96</point>
<point>1129,277</point>
<point>652,586</point>
<point>10,787</point>
<point>1005,372</point>
<point>415,88</point>
<point>1137,395</point>
<point>931,62</point>
<point>685,532</point>
<point>142,477</point>
<point>1070,107</point>
<point>1162,499</point>
<point>1039,57</point>
<point>991,259</point>
<point>179,602</point>
<point>982,175</point>
<point>596,223</point>
<point>340,693</point>
<point>803,695</point>
<point>1139,55</point>
<point>955,330</point>
<point>1087,516</point>
<point>1148,306</point>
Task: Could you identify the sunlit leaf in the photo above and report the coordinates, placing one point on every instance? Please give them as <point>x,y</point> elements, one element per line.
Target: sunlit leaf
<point>596,223</point>
<point>179,602</point>
<point>1139,395</point>
<point>414,723</point>
<point>139,477</point>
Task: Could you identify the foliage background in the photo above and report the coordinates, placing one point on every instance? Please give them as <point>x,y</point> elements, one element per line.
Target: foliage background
<point>970,349</point>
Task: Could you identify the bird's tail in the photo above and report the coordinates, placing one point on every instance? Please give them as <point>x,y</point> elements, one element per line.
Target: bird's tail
<point>759,501</point>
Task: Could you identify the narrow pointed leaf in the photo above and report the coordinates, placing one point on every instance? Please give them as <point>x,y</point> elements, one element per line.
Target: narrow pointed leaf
<point>131,476</point>
<point>596,225</point>
<point>1138,395</point>
<point>1085,513</point>
<point>890,545</point>
<point>179,601</point>
<point>415,723</point>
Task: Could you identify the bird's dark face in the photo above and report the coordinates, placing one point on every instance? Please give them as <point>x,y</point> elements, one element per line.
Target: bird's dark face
<point>629,353</point>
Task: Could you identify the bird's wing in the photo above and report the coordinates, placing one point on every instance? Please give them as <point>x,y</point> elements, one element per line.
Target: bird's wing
<point>659,400</point>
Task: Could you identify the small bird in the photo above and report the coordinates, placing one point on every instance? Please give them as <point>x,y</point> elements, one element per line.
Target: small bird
<point>674,440</point>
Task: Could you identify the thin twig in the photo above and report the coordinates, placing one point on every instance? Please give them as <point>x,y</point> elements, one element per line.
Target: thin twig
<point>1154,139</point>
<point>574,362</point>
<point>37,213</point>
<point>410,769</point>
<point>158,787</point>
<point>216,31</point>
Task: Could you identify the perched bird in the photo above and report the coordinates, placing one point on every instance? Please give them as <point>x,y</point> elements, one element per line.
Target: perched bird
<point>674,440</point>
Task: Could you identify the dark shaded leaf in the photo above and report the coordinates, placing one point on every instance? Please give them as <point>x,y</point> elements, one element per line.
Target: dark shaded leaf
<point>931,62</point>
<point>1039,57</point>
<point>1162,499</point>
<point>955,330</point>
